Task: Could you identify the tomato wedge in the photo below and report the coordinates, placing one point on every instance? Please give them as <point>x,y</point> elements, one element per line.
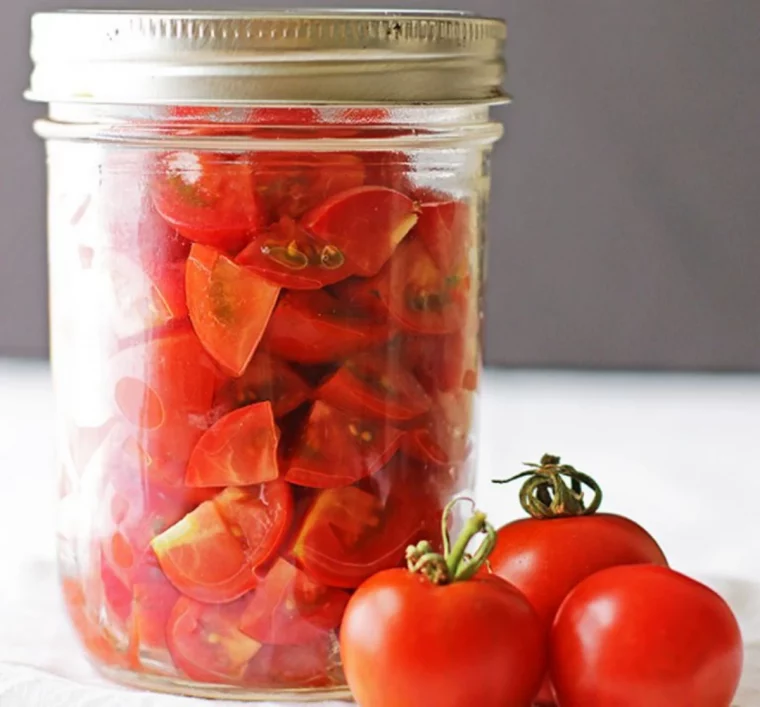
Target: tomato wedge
<point>445,229</point>
<point>153,598</point>
<point>290,184</point>
<point>444,362</point>
<point>208,197</point>
<point>365,224</point>
<point>350,533</point>
<point>239,450</point>
<point>371,385</point>
<point>337,449</point>
<point>288,607</point>
<point>315,327</point>
<point>229,307</point>
<point>206,643</point>
<point>266,379</point>
<point>304,665</point>
<point>289,256</point>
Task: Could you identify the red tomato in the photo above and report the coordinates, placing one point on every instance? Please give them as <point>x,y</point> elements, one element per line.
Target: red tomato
<point>336,449</point>
<point>239,450</point>
<point>229,307</point>
<point>445,229</point>
<point>365,224</point>
<point>153,600</point>
<point>406,642</point>
<point>290,184</point>
<point>392,170</point>
<point>352,532</point>
<point>444,362</point>
<point>208,197</point>
<point>371,385</point>
<point>305,665</point>
<point>266,379</point>
<point>206,643</point>
<point>289,256</point>
<point>315,327</point>
<point>645,635</point>
<point>288,607</point>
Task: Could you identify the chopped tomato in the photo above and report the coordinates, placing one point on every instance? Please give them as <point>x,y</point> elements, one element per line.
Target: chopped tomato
<point>350,533</point>
<point>365,224</point>
<point>206,643</point>
<point>208,197</point>
<point>444,362</point>
<point>266,379</point>
<point>305,665</point>
<point>372,385</point>
<point>289,607</point>
<point>153,600</point>
<point>290,184</point>
<point>445,229</point>
<point>289,256</point>
<point>315,327</point>
<point>392,170</point>
<point>239,450</point>
<point>229,307</point>
<point>337,449</point>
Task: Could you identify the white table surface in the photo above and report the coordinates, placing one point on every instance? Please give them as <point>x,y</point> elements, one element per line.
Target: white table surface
<point>687,442</point>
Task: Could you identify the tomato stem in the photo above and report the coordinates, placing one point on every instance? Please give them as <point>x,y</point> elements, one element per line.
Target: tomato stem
<point>546,495</point>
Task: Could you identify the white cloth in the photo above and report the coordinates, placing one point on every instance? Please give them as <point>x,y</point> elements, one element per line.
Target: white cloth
<point>675,452</point>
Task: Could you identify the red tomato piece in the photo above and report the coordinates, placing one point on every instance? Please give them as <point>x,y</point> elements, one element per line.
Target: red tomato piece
<point>154,598</point>
<point>289,256</point>
<point>371,385</point>
<point>304,665</point>
<point>315,327</point>
<point>239,450</point>
<point>603,650</point>
<point>445,229</point>
<point>203,559</point>
<point>350,533</point>
<point>365,224</point>
<point>288,607</point>
<point>206,643</point>
<point>266,379</point>
<point>290,184</point>
<point>444,363</point>
<point>229,307</point>
<point>336,449</point>
<point>208,197</point>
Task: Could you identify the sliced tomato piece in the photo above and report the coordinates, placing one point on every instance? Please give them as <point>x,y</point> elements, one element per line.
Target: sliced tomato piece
<point>315,327</point>
<point>153,598</point>
<point>365,224</point>
<point>290,184</point>
<point>206,643</point>
<point>373,385</point>
<point>305,665</point>
<point>337,449</point>
<point>289,607</point>
<point>350,533</point>
<point>229,307</point>
<point>445,227</point>
<point>239,450</point>
<point>203,559</point>
<point>208,197</point>
<point>444,362</point>
<point>289,256</point>
<point>266,379</point>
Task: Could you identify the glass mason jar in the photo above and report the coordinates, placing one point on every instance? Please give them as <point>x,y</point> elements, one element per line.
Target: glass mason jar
<point>266,269</point>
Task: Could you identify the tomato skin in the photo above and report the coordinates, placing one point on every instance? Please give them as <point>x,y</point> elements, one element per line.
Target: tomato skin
<point>444,228</point>
<point>406,642</point>
<point>239,450</point>
<point>382,216</point>
<point>229,307</point>
<point>645,635</point>
<point>289,666</point>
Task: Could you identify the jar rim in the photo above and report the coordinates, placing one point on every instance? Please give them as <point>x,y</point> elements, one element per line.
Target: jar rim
<point>282,57</point>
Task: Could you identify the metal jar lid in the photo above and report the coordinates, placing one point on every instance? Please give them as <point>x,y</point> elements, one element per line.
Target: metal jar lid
<point>227,58</point>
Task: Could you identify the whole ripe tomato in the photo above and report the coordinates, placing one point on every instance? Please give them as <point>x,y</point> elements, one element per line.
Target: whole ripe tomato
<point>644,635</point>
<point>545,556</point>
<point>432,635</point>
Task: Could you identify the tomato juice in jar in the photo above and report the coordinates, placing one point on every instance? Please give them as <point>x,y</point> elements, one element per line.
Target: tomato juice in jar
<point>266,269</point>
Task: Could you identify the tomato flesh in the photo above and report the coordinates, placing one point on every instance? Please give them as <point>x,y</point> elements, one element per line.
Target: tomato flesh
<point>239,450</point>
<point>383,217</point>
<point>299,665</point>
<point>337,449</point>
<point>444,228</point>
<point>288,607</point>
<point>229,307</point>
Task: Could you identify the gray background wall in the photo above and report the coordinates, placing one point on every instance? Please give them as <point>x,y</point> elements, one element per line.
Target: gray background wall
<point>626,218</point>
